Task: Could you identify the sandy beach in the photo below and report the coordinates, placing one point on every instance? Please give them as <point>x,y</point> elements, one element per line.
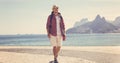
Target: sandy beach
<point>68,54</point>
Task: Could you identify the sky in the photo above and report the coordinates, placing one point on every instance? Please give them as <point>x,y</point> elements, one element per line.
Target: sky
<point>30,16</point>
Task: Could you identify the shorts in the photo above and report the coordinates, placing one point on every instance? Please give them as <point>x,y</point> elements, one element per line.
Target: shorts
<point>56,40</point>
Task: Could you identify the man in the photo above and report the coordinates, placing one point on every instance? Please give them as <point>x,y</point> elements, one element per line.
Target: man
<point>56,31</point>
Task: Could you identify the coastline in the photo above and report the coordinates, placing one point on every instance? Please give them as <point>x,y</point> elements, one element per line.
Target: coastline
<point>68,54</point>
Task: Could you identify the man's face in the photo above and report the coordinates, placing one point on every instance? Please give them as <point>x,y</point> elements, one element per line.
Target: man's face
<point>55,9</point>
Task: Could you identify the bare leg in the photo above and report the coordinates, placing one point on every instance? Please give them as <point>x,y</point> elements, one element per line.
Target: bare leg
<point>56,51</point>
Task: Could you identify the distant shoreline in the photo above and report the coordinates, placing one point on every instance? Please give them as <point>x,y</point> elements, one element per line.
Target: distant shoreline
<point>46,34</point>
<point>72,40</point>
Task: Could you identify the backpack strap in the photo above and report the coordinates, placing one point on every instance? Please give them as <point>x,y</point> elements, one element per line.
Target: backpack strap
<point>60,16</point>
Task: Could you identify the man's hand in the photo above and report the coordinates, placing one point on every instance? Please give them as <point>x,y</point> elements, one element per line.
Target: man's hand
<point>48,35</point>
<point>64,38</point>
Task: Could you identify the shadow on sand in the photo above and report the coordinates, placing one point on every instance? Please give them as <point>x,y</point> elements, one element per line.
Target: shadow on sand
<point>51,62</point>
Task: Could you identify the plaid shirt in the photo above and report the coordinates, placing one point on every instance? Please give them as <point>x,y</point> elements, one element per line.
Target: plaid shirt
<point>52,28</point>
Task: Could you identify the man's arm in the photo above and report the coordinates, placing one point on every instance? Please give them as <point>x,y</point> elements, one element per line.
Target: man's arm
<point>47,26</point>
<point>63,25</point>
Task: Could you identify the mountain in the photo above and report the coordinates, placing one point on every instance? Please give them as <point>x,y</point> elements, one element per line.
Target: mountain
<point>82,21</point>
<point>98,25</point>
<point>116,22</point>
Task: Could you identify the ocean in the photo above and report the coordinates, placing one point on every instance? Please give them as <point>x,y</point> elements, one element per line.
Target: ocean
<point>72,40</point>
